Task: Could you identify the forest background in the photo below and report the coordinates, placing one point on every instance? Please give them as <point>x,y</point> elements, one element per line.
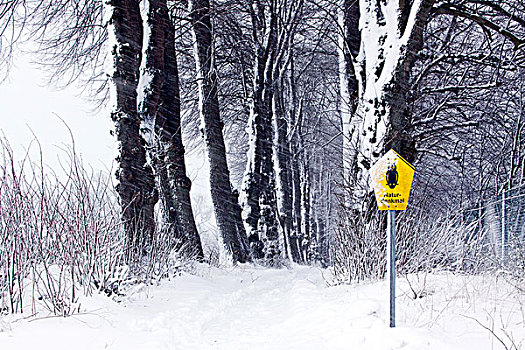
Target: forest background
<point>291,103</point>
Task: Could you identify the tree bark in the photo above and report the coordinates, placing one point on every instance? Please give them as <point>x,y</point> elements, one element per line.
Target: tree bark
<point>225,203</point>
<point>305,208</point>
<point>136,185</point>
<point>282,173</point>
<point>161,114</point>
<point>258,188</point>
<point>382,70</point>
<point>295,148</point>
<point>348,49</point>
<point>296,237</point>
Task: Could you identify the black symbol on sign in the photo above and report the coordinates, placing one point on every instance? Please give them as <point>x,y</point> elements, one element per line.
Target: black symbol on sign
<point>392,176</point>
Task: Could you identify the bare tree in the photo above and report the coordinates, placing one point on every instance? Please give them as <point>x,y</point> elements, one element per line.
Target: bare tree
<point>225,202</point>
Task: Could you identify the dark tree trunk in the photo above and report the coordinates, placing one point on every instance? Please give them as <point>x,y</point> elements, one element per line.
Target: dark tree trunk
<point>305,207</point>
<point>294,147</point>
<point>259,202</point>
<point>136,185</point>
<point>282,173</point>
<point>259,185</point>
<point>169,133</point>
<point>349,43</point>
<point>161,109</point>
<point>296,238</point>
<point>226,206</point>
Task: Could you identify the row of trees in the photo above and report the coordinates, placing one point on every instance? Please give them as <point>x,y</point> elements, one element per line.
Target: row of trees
<point>139,50</point>
<point>323,88</point>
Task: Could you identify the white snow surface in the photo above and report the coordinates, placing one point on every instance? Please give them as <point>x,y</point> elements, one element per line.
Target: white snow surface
<point>249,307</point>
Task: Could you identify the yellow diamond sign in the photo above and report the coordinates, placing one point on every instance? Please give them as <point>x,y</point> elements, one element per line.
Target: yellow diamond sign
<point>392,178</point>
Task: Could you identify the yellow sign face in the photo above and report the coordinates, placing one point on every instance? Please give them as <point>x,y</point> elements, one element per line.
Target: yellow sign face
<point>392,178</point>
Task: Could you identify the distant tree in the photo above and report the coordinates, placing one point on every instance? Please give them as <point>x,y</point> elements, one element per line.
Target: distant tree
<point>280,79</point>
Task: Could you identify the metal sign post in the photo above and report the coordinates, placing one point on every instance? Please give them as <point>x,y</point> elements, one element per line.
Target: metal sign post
<point>392,179</point>
<point>391,263</point>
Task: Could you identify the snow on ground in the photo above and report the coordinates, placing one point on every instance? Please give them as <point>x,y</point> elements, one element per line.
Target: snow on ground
<point>255,308</point>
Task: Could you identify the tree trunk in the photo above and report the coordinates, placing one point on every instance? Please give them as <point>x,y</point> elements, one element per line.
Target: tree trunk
<point>382,70</point>
<point>281,163</point>
<point>305,208</point>
<point>136,185</point>
<point>258,200</point>
<point>296,237</point>
<point>348,49</point>
<point>294,147</point>
<point>161,113</point>
<point>226,207</point>
<point>319,209</point>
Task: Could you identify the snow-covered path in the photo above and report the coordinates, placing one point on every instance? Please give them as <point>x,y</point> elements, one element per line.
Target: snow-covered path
<point>255,308</point>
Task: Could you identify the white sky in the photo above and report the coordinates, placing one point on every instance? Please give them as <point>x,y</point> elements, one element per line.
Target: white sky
<point>28,106</point>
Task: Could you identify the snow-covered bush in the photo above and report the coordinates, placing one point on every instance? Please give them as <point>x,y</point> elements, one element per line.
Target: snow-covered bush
<point>425,241</point>
<point>58,233</point>
<point>61,236</point>
<point>359,247</point>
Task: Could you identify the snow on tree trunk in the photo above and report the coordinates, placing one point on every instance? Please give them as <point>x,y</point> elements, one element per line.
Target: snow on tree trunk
<point>226,207</point>
<point>325,222</point>
<point>254,181</point>
<point>258,187</point>
<point>259,202</point>
<point>294,148</point>
<point>320,208</point>
<point>391,34</point>
<point>136,184</point>
<point>160,108</point>
<point>305,207</point>
<point>281,155</point>
<point>296,236</point>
